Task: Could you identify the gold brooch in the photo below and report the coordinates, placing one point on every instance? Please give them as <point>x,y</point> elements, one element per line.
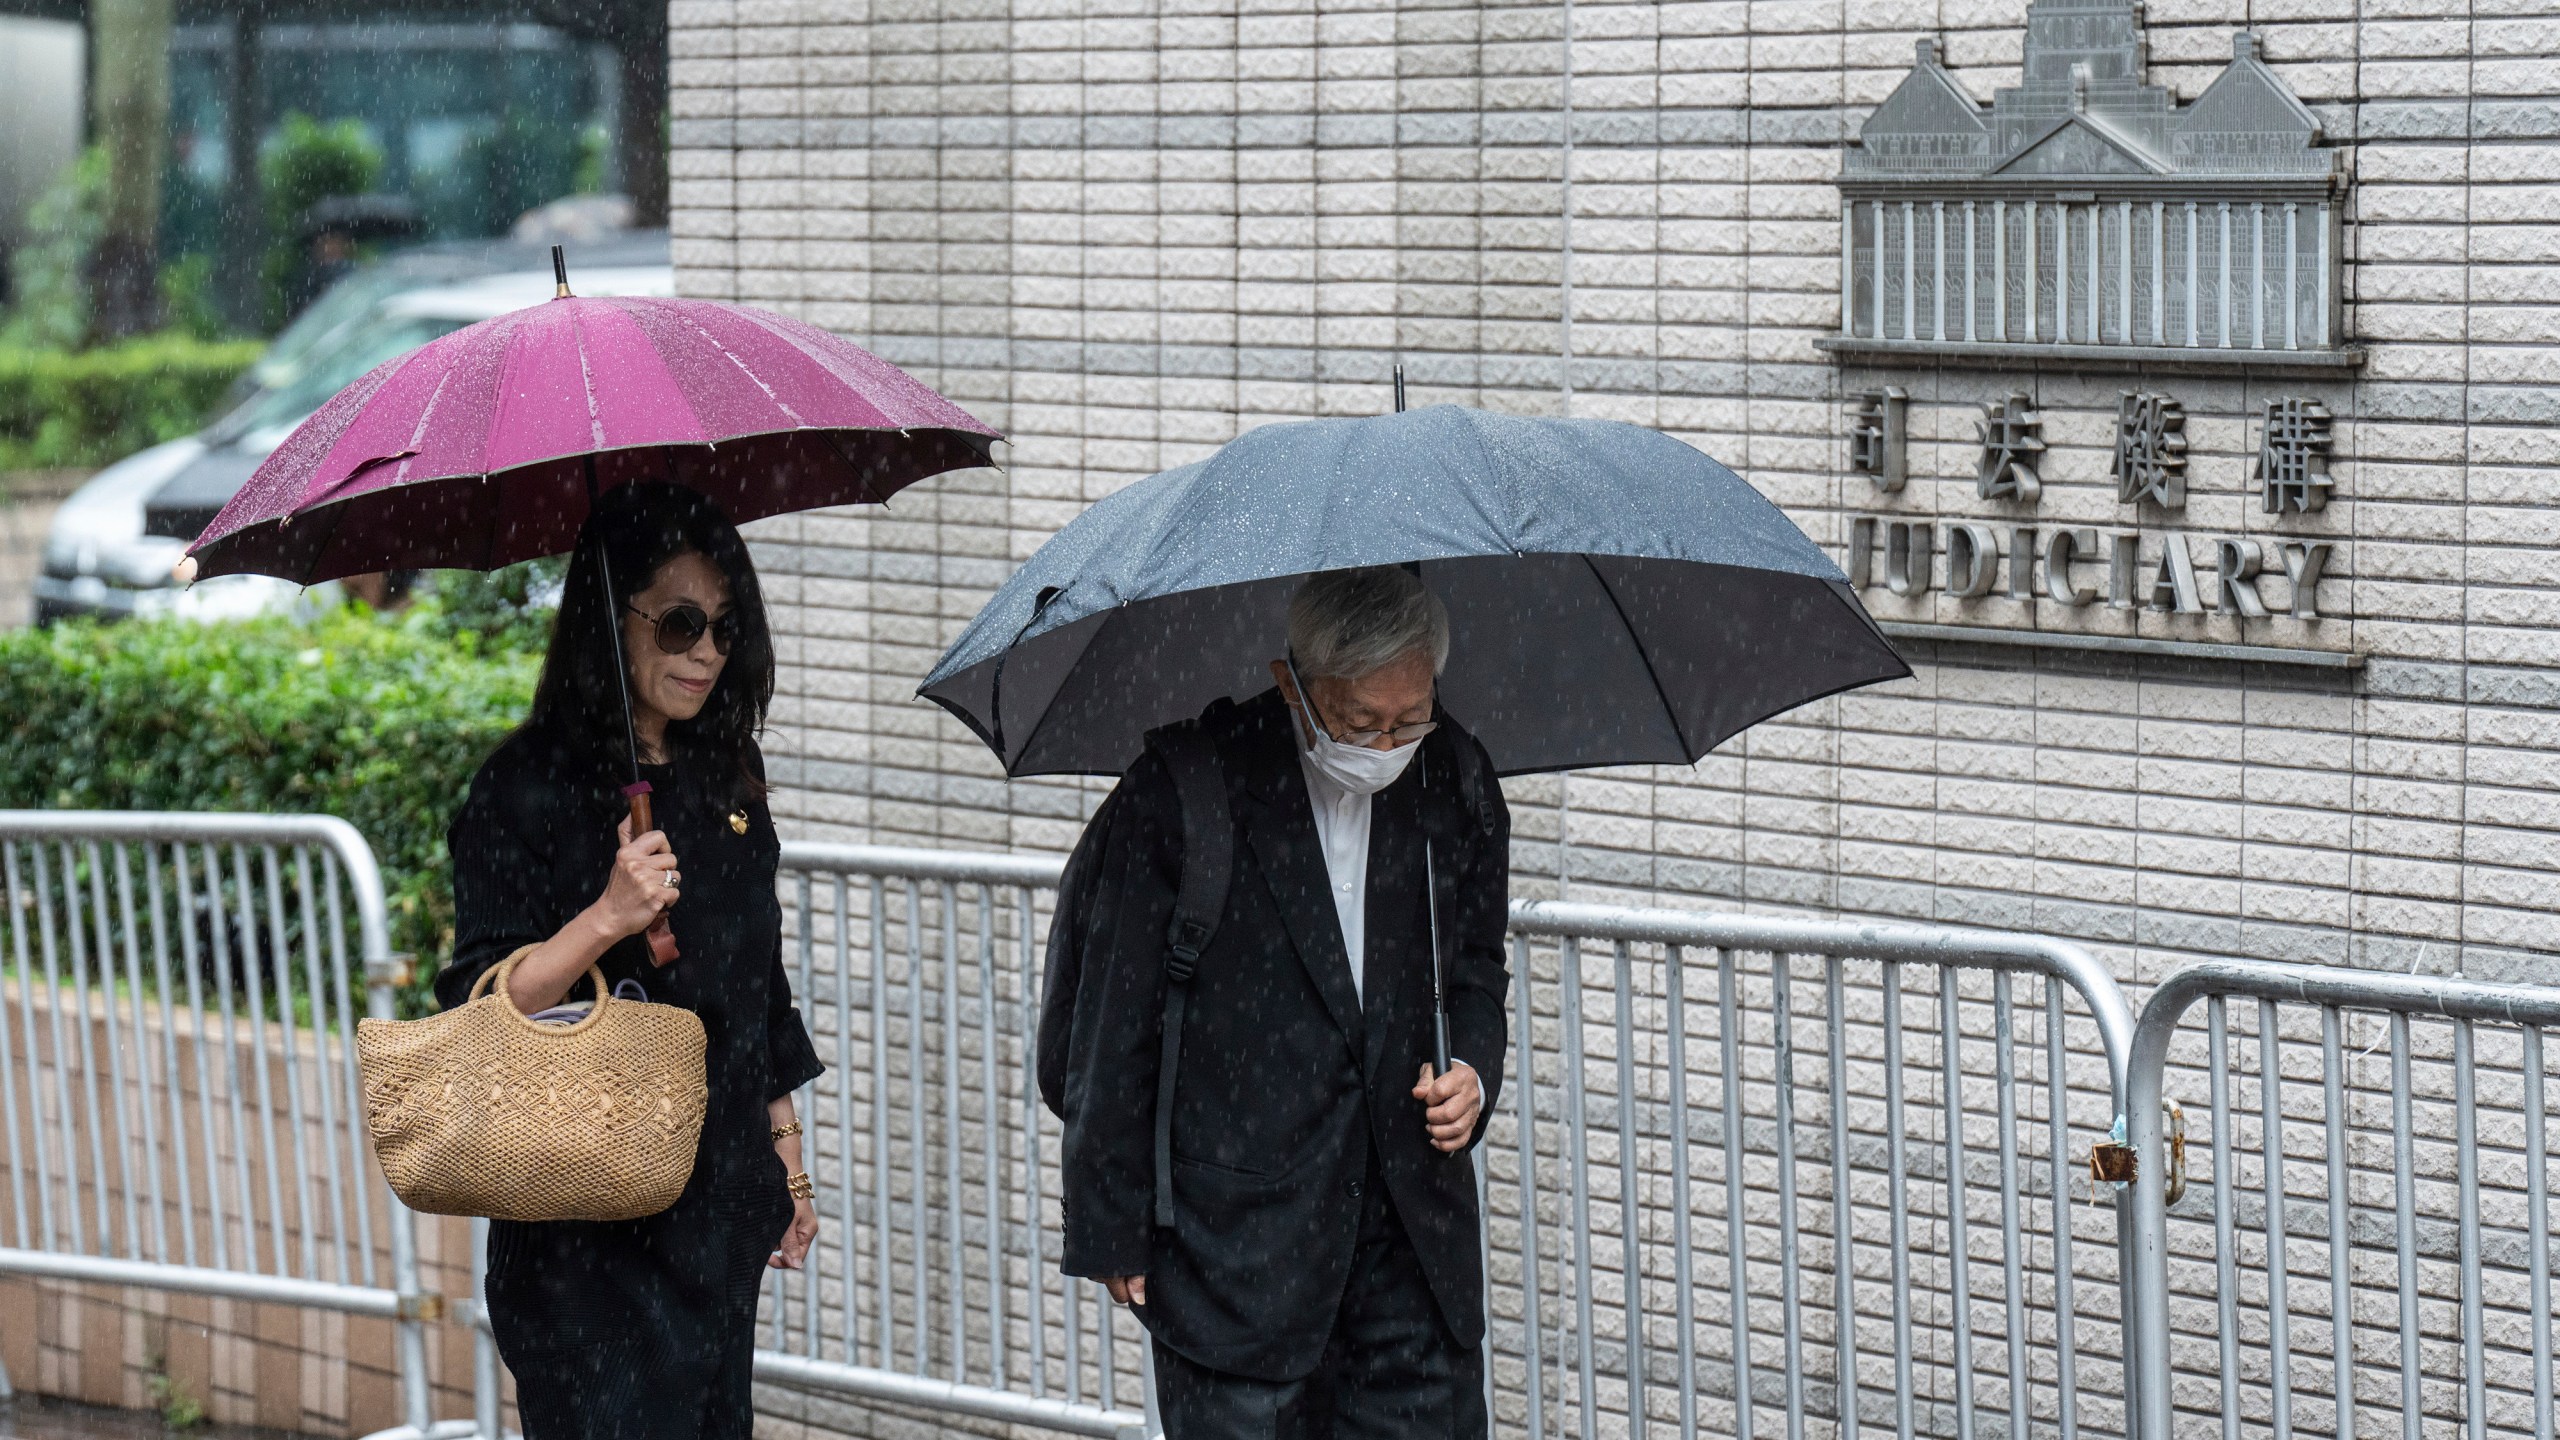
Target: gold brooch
<point>738,821</point>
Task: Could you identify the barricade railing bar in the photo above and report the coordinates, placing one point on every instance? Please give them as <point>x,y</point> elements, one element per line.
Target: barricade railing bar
<point>935,1283</point>
<point>178,1087</point>
<point>2376,1149</point>
<point>1748,1175</point>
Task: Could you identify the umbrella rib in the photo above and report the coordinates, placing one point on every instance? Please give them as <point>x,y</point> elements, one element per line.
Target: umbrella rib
<point>586,382</point>
<point>1670,711</point>
<point>725,353</point>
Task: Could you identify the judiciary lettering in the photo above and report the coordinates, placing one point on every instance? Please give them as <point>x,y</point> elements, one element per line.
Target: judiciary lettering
<point>2293,455</point>
<point>2151,450</point>
<point>2158,574</point>
<point>2012,434</point>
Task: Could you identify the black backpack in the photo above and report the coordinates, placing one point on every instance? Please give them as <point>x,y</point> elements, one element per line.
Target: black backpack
<point>1208,856</point>
<point>1190,755</point>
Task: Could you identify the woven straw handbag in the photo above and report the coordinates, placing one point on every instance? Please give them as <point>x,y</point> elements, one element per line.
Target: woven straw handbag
<point>483,1111</point>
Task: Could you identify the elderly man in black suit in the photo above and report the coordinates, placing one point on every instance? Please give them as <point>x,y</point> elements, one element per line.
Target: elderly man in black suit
<point>1323,1274</point>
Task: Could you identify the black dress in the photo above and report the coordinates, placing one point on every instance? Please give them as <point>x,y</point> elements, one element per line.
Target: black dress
<point>640,1329</point>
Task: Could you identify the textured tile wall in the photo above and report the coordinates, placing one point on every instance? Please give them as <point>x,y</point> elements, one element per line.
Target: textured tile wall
<point>1127,230</point>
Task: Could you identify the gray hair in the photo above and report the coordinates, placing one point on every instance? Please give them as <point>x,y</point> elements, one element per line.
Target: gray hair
<point>1344,624</point>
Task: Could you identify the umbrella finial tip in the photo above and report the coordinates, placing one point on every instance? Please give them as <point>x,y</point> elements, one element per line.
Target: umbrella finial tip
<point>559,274</point>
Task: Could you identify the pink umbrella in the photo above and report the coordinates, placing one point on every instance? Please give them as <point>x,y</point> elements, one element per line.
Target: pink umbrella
<point>490,445</point>
<point>485,447</point>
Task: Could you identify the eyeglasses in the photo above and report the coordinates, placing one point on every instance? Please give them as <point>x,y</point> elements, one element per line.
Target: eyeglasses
<point>1401,734</point>
<point>680,628</point>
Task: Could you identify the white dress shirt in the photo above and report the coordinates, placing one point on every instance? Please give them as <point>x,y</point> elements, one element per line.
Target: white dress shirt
<point>1342,832</point>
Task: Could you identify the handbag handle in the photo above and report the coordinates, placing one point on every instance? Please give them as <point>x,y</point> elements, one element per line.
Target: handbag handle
<point>497,975</point>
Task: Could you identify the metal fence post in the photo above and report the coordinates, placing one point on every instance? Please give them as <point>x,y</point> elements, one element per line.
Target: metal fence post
<point>382,972</point>
<point>2401,998</point>
<point>2142,1222</point>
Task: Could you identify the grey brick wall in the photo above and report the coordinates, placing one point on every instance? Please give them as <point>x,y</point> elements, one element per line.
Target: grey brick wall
<point>1127,230</point>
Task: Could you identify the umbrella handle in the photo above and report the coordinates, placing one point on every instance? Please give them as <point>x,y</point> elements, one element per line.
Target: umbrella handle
<point>662,936</point>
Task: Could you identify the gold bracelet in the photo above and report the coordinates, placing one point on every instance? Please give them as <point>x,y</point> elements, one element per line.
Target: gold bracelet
<point>785,1132</point>
<point>802,1187</point>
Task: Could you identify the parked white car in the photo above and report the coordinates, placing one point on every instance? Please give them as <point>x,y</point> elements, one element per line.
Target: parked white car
<point>116,540</point>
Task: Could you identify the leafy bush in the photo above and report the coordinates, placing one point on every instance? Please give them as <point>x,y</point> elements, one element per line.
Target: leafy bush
<point>189,297</point>
<point>307,161</point>
<point>507,609</point>
<point>88,407</point>
<point>379,720</point>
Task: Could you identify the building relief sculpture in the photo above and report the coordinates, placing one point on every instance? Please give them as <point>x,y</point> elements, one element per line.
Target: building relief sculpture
<point>2086,210</point>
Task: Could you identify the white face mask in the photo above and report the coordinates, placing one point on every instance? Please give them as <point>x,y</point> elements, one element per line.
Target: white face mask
<point>1355,768</point>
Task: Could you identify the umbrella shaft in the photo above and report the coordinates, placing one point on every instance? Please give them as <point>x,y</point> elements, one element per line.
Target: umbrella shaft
<point>662,936</point>
<point>1439,1008</point>
<point>613,635</point>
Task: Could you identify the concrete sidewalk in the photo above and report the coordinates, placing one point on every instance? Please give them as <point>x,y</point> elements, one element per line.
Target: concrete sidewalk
<point>37,1417</point>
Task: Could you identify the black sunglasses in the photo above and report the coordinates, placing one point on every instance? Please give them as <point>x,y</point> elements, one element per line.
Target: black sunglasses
<point>680,628</point>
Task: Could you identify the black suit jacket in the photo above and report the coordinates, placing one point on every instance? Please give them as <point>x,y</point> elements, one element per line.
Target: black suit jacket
<point>1287,1079</point>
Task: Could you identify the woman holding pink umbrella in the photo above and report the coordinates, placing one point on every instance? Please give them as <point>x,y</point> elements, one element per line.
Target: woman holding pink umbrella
<point>633,432</point>
<point>642,1328</point>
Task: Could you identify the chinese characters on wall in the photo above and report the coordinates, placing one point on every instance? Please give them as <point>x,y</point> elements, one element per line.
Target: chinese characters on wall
<point>2293,455</point>
<point>2076,566</point>
<point>2151,450</point>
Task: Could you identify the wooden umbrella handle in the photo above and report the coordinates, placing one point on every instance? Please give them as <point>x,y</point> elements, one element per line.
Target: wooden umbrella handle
<point>662,937</point>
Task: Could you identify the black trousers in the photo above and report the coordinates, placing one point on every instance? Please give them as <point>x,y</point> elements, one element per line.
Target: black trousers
<point>1391,1371</point>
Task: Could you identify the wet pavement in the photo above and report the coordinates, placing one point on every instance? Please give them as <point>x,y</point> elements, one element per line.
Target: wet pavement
<point>32,1417</point>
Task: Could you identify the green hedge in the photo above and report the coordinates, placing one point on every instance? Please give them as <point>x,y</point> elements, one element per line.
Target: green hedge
<point>381,721</point>
<point>90,407</point>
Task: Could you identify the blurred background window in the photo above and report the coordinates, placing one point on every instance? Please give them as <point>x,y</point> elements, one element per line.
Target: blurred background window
<point>214,213</point>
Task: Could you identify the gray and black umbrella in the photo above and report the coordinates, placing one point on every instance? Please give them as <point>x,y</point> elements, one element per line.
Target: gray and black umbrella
<point>1615,597</point>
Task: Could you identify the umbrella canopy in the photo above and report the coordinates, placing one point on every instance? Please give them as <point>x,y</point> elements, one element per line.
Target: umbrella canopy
<point>1615,597</point>
<point>482,448</point>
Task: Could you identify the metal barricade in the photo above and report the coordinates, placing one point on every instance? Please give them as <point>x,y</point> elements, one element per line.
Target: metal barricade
<point>935,1281</point>
<point>1869,1124</point>
<point>178,1086</point>
<point>1748,1175</point>
<point>2398,1175</point>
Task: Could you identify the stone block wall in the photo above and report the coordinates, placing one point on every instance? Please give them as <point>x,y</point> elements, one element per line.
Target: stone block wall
<point>1125,231</point>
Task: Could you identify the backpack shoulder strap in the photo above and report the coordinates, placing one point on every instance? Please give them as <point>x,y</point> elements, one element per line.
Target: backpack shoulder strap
<point>1208,855</point>
<point>1208,843</point>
